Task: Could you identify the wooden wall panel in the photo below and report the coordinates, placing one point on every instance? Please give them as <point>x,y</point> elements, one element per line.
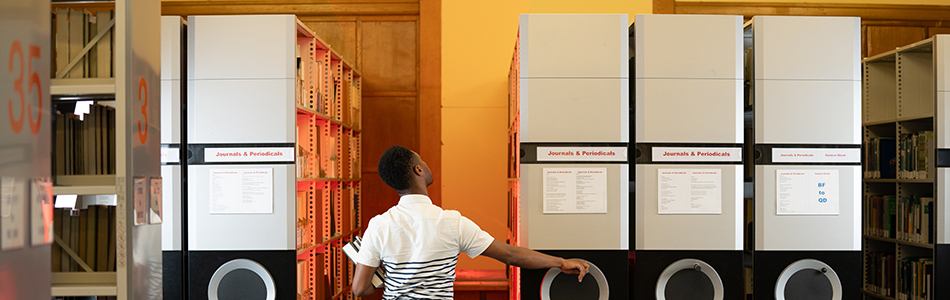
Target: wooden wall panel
<point>880,39</point>
<point>297,7</point>
<point>937,30</point>
<point>340,35</point>
<point>390,57</point>
<point>388,121</point>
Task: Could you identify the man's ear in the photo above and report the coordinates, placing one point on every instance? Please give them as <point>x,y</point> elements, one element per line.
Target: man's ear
<point>418,170</point>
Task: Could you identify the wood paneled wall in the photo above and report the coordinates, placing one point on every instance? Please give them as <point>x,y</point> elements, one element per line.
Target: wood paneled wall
<point>396,44</point>
<point>884,27</point>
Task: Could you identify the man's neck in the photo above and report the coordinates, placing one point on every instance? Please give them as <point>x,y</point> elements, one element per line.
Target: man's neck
<point>414,191</point>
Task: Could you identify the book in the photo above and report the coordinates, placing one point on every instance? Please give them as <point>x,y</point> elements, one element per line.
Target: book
<point>104,46</point>
<point>81,248</point>
<point>102,238</point>
<point>73,232</point>
<point>76,41</point>
<point>57,251</point>
<point>62,40</point>
<point>59,144</point>
<point>91,59</point>
<point>91,238</point>
<point>926,228</point>
<point>112,240</point>
<point>925,150</point>
<point>351,249</point>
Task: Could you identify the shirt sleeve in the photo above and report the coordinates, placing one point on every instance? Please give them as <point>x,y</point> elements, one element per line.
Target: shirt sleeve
<point>472,239</point>
<point>369,247</point>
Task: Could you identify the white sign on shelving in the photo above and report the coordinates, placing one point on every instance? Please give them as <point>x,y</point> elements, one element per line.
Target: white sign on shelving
<point>806,192</point>
<point>242,191</point>
<point>689,191</point>
<point>575,190</point>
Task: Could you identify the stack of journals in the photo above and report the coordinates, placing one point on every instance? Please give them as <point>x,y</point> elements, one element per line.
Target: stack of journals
<point>87,146</point>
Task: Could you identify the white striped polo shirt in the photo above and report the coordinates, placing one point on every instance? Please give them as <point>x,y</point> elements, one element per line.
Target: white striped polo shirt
<point>418,245</point>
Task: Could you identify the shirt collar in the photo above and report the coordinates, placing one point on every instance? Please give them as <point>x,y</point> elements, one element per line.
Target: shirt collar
<point>414,199</point>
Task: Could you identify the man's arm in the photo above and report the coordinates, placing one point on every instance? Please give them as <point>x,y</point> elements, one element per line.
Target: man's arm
<point>530,259</point>
<point>363,280</point>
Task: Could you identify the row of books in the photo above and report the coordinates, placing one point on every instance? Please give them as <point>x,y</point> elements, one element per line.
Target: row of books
<point>310,228</point>
<point>915,278</point>
<point>908,157</point>
<point>73,30</point>
<point>84,146</point>
<point>347,165</point>
<point>880,273</point>
<point>905,218</point>
<point>310,165</point>
<point>309,76</point>
<point>90,235</point>
<point>880,158</point>
<point>350,102</point>
<point>915,155</point>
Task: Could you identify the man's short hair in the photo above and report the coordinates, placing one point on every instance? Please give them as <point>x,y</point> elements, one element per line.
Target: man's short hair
<point>395,167</point>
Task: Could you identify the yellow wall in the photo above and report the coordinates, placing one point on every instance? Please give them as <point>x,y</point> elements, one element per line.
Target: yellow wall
<point>477,44</point>
<point>903,2</point>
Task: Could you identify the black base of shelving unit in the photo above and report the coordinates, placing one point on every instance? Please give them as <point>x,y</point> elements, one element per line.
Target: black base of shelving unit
<point>171,275</point>
<point>769,265</point>
<point>651,264</point>
<point>612,263</point>
<point>280,266</point>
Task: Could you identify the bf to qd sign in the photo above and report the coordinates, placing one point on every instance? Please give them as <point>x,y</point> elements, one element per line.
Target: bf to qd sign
<point>143,133</point>
<point>16,123</point>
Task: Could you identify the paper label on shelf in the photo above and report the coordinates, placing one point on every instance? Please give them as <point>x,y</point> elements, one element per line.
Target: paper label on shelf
<point>283,154</point>
<point>13,213</point>
<point>170,155</point>
<point>582,154</point>
<point>806,192</point>
<point>140,201</point>
<point>41,212</point>
<point>689,191</point>
<point>575,190</point>
<point>697,154</point>
<point>155,201</point>
<point>242,191</point>
<point>816,155</point>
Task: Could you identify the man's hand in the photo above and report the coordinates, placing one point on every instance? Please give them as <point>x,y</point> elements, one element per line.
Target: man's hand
<point>575,266</point>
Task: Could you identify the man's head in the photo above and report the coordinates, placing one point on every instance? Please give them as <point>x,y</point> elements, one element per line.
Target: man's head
<point>402,169</point>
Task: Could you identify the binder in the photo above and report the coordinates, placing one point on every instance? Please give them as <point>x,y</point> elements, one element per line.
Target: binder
<point>351,249</point>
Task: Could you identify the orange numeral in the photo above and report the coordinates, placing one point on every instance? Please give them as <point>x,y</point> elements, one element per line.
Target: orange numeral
<point>143,134</point>
<point>17,123</point>
<point>35,81</point>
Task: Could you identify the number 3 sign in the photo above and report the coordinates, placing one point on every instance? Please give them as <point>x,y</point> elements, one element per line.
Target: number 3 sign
<point>143,130</point>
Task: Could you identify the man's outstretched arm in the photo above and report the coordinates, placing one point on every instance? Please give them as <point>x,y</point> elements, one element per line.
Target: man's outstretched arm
<point>530,259</point>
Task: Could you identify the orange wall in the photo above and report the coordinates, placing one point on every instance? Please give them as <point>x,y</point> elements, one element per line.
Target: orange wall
<point>477,45</point>
<point>902,2</point>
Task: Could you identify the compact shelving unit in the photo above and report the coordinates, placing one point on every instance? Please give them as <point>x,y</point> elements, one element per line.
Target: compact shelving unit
<point>25,183</point>
<point>905,135</point>
<point>120,174</point>
<point>514,167</point>
<point>297,98</point>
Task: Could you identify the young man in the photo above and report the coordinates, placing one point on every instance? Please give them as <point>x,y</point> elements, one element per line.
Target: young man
<point>418,243</point>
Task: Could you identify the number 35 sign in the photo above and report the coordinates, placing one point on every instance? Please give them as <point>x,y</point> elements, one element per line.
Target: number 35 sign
<point>23,61</point>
